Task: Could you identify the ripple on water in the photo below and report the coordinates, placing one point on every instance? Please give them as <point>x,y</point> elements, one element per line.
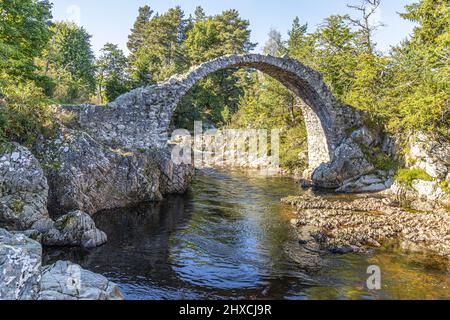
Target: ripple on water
<point>230,237</point>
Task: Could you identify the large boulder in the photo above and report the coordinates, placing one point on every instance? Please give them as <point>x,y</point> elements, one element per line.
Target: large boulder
<point>23,189</point>
<point>431,154</point>
<point>20,267</point>
<point>376,182</point>
<point>23,204</point>
<point>75,229</point>
<point>86,175</point>
<point>67,281</point>
<point>349,162</point>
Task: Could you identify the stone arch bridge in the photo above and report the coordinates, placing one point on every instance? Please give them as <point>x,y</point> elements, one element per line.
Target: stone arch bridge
<point>141,118</point>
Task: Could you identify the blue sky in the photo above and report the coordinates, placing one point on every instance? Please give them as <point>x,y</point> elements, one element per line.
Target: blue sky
<point>111,20</point>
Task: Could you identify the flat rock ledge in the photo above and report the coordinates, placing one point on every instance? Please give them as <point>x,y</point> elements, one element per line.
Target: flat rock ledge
<point>344,226</point>
<point>67,281</point>
<point>22,276</point>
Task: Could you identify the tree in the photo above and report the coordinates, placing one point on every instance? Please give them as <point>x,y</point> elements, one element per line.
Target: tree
<point>366,25</point>
<point>419,91</point>
<point>199,14</point>
<point>297,38</point>
<point>216,36</point>
<point>70,62</point>
<point>218,95</point>
<point>136,38</point>
<point>275,45</point>
<point>112,77</point>
<point>161,53</point>
<point>24,33</point>
<point>369,85</point>
<point>335,54</point>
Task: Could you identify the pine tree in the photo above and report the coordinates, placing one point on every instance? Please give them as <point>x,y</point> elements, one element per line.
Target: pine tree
<point>112,77</point>
<point>218,94</point>
<point>162,52</point>
<point>297,36</point>
<point>136,38</point>
<point>70,62</point>
<point>419,92</point>
<point>199,14</point>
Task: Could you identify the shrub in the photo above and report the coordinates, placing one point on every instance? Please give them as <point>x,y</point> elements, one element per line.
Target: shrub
<point>445,186</point>
<point>24,113</point>
<point>407,176</point>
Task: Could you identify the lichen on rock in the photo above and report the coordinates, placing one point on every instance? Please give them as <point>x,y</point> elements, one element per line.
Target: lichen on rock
<point>23,189</point>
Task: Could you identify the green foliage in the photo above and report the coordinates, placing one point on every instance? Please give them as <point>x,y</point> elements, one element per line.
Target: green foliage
<point>112,76</point>
<point>267,104</point>
<point>336,54</point>
<point>219,93</point>
<point>380,160</point>
<point>407,176</point>
<point>24,33</point>
<point>445,186</point>
<point>69,60</point>
<point>159,52</point>
<point>297,38</point>
<point>24,113</point>
<point>293,148</point>
<point>407,90</point>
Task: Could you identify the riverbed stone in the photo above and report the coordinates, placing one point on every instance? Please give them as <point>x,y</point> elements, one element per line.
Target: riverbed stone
<point>67,281</point>
<point>20,266</point>
<point>366,222</point>
<point>367,184</point>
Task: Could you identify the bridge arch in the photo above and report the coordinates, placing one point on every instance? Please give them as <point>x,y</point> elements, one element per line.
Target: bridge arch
<point>326,119</point>
<point>141,118</point>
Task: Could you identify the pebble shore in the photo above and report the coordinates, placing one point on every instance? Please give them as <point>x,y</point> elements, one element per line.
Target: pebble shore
<point>356,225</point>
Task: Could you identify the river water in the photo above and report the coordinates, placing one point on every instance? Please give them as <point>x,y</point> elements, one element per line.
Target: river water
<point>230,238</point>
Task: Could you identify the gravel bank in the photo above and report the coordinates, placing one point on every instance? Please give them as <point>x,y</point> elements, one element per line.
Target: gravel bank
<point>342,225</point>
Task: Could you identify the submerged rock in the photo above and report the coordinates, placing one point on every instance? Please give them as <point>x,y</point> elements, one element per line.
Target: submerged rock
<point>67,281</point>
<point>20,267</point>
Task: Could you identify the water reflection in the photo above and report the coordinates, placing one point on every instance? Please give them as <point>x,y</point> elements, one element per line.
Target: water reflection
<point>230,237</point>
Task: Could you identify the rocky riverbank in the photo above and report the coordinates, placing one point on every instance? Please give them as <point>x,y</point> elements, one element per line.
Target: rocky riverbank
<point>22,276</point>
<point>48,193</point>
<point>340,225</point>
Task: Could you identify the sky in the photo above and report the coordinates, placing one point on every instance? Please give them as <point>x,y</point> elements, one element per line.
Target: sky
<point>111,20</point>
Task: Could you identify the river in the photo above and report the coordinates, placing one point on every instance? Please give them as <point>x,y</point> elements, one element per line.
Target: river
<point>229,237</point>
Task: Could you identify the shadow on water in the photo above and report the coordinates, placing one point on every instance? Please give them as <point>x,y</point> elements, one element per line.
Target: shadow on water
<point>229,237</point>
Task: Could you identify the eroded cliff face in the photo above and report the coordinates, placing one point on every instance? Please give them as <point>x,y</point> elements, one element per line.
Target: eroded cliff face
<point>23,188</point>
<point>84,174</point>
